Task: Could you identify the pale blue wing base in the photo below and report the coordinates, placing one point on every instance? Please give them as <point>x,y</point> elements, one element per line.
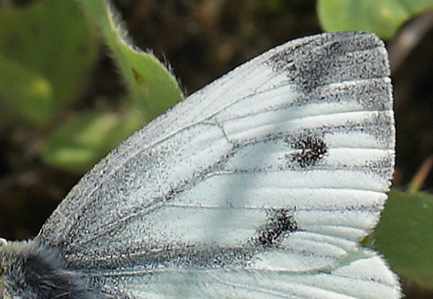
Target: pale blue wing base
<point>274,171</point>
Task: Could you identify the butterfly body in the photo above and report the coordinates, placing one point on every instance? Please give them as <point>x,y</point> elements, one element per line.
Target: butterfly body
<point>260,185</point>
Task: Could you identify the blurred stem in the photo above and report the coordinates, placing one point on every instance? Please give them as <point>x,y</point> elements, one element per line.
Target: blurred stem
<point>420,177</point>
<point>408,38</point>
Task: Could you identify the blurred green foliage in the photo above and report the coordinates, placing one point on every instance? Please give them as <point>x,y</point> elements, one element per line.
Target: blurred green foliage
<point>46,50</point>
<point>152,86</point>
<point>405,236</point>
<point>88,135</point>
<point>383,17</point>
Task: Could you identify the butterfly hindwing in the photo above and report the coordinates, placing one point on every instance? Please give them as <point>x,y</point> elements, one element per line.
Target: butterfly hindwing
<point>260,185</point>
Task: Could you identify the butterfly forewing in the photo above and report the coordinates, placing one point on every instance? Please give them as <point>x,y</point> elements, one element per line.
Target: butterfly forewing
<point>258,186</point>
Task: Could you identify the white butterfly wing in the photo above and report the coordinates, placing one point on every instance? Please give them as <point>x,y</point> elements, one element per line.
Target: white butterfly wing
<point>258,186</point>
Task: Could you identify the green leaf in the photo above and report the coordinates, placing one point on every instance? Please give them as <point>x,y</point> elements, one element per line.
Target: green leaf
<point>24,92</point>
<point>81,141</point>
<point>50,38</point>
<point>405,236</point>
<point>150,83</point>
<point>383,17</point>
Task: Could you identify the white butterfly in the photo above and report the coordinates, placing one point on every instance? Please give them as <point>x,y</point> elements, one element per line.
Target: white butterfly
<point>260,185</point>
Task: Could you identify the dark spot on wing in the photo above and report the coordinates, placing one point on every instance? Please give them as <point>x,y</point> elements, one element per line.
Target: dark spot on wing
<point>308,66</point>
<point>311,149</point>
<point>330,58</point>
<point>281,221</point>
